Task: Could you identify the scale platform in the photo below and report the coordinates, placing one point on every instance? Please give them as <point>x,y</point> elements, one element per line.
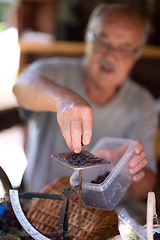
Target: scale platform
<point>61,158</point>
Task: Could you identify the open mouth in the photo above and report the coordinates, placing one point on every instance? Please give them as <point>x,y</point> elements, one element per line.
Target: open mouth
<point>107,69</point>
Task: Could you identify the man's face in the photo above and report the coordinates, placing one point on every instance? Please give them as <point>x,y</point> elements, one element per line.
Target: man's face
<point>113,51</point>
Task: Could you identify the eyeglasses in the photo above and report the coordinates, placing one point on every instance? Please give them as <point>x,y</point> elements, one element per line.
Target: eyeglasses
<point>121,51</point>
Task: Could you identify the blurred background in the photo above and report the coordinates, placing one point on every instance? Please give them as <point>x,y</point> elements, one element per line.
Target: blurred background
<point>32,29</point>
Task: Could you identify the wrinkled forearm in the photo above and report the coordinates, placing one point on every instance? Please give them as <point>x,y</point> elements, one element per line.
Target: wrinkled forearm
<point>141,188</point>
<point>74,114</point>
<point>37,93</point>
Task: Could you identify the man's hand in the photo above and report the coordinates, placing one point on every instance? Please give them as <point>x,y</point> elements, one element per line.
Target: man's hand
<point>75,117</point>
<point>144,179</point>
<point>138,162</point>
<point>74,114</point>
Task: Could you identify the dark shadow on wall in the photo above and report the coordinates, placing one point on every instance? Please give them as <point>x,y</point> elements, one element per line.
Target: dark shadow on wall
<point>147,73</point>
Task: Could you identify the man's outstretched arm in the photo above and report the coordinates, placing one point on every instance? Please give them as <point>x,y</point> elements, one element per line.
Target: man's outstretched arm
<point>74,114</point>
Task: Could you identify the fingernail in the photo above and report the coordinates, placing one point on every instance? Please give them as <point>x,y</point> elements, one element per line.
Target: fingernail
<point>135,178</point>
<point>131,164</point>
<point>137,149</point>
<point>131,171</point>
<point>76,151</point>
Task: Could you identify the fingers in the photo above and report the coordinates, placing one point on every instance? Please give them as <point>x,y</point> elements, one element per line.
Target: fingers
<point>137,159</point>
<point>66,132</point>
<point>76,125</point>
<point>76,135</point>
<point>87,130</point>
<point>71,131</point>
<point>81,132</point>
<point>138,162</point>
<point>139,146</point>
<point>139,166</point>
<point>137,177</point>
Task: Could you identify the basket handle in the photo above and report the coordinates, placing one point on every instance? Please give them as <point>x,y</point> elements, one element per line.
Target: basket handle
<point>151,214</point>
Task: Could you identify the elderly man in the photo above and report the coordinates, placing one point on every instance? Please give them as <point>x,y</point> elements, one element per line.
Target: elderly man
<point>71,101</point>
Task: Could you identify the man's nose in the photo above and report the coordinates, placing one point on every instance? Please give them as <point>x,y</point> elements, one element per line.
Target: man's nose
<point>111,51</point>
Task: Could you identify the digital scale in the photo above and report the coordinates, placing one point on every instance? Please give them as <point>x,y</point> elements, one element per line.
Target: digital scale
<point>63,222</point>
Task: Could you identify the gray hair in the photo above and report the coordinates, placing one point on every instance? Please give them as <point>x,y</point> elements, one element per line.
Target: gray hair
<point>99,9</point>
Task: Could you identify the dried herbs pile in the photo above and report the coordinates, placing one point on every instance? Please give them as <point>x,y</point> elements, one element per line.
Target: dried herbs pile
<point>101,178</point>
<point>79,159</point>
<point>156,236</point>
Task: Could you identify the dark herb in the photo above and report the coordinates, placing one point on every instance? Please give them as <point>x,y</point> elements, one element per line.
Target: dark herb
<point>101,178</point>
<point>79,159</point>
<point>156,236</point>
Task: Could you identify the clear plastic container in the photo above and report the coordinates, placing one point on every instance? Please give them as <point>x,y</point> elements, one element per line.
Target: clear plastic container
<point>106,194</point>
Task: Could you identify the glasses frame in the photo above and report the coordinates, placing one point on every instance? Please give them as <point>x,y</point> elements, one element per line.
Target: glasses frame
<point>106,48</point>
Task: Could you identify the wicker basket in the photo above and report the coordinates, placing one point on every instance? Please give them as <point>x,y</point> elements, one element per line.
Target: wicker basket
<point>96,224</point>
